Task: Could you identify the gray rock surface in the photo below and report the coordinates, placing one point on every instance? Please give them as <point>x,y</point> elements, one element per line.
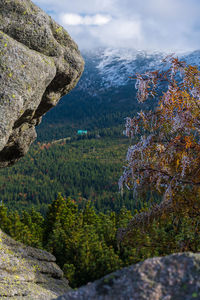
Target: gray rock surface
<point>39,63</point>
<point>174,277</point>
<point>28,273</point>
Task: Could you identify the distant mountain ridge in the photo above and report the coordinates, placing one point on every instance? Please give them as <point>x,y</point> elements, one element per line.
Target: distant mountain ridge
<point>106,93</point>
<point>115,66</point>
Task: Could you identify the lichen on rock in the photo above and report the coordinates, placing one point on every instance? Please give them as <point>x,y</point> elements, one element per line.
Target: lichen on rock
<point>39,63</point>
<point>28,273</point>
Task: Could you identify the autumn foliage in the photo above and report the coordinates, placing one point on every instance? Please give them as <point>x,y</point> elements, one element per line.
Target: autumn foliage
<point>165,155</point>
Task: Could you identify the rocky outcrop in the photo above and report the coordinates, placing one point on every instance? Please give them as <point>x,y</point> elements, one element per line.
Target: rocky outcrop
<point>174,277</point>
<point>39,63</point>
<point>28,273</point>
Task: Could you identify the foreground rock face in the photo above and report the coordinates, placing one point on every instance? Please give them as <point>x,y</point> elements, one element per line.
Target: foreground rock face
<point>28,273</point>
<point>39,63</point>
<point>174,277</point>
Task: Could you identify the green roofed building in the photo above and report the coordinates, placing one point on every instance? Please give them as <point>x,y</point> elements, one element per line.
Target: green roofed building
<point>81,132</point>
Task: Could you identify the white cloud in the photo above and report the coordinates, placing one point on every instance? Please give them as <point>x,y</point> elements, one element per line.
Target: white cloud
<point>119,32</point>
<point>144,24</point>
<point>76,19</point>
<point>78,6</point>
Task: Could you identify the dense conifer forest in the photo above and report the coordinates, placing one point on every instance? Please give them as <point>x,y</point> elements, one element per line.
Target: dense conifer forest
<point>48,202</point>
<point>84,240</point>
<point>64,196</point>
<point>85,169</point>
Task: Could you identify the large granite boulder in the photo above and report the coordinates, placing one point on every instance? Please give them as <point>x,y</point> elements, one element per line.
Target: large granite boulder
<point>28,273</point>
<point>174,277</point>
<point>39,63</point>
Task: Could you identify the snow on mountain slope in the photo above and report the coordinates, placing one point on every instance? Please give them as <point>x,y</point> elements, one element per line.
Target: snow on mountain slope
<point>192,58</point>
<point>116,66</point>
<point>107,68</point>
<point>105,93</point>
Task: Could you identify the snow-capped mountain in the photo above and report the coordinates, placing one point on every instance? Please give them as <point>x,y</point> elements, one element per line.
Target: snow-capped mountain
<point>107,68</point>
<point>192,58</point>
<point>106,92</point>
<point>114,67</point>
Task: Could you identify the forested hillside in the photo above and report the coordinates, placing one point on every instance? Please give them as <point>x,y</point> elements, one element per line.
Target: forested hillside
<point>64,196</point>
<point>84,241</point>
<point>104,96</point>
<point>84,169</point>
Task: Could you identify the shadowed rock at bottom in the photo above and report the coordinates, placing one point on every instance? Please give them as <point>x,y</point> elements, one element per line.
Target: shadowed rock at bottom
<point>174,277</point>
<point>28,273</point>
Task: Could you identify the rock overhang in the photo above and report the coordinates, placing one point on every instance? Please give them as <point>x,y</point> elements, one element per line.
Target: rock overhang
<point>39,63</point>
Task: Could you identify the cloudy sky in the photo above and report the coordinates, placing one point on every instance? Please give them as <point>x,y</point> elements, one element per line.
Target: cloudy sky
<point>141,24</point>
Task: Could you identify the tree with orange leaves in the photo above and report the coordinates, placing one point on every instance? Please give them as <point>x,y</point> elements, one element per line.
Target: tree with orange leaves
<point>165,156</point>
